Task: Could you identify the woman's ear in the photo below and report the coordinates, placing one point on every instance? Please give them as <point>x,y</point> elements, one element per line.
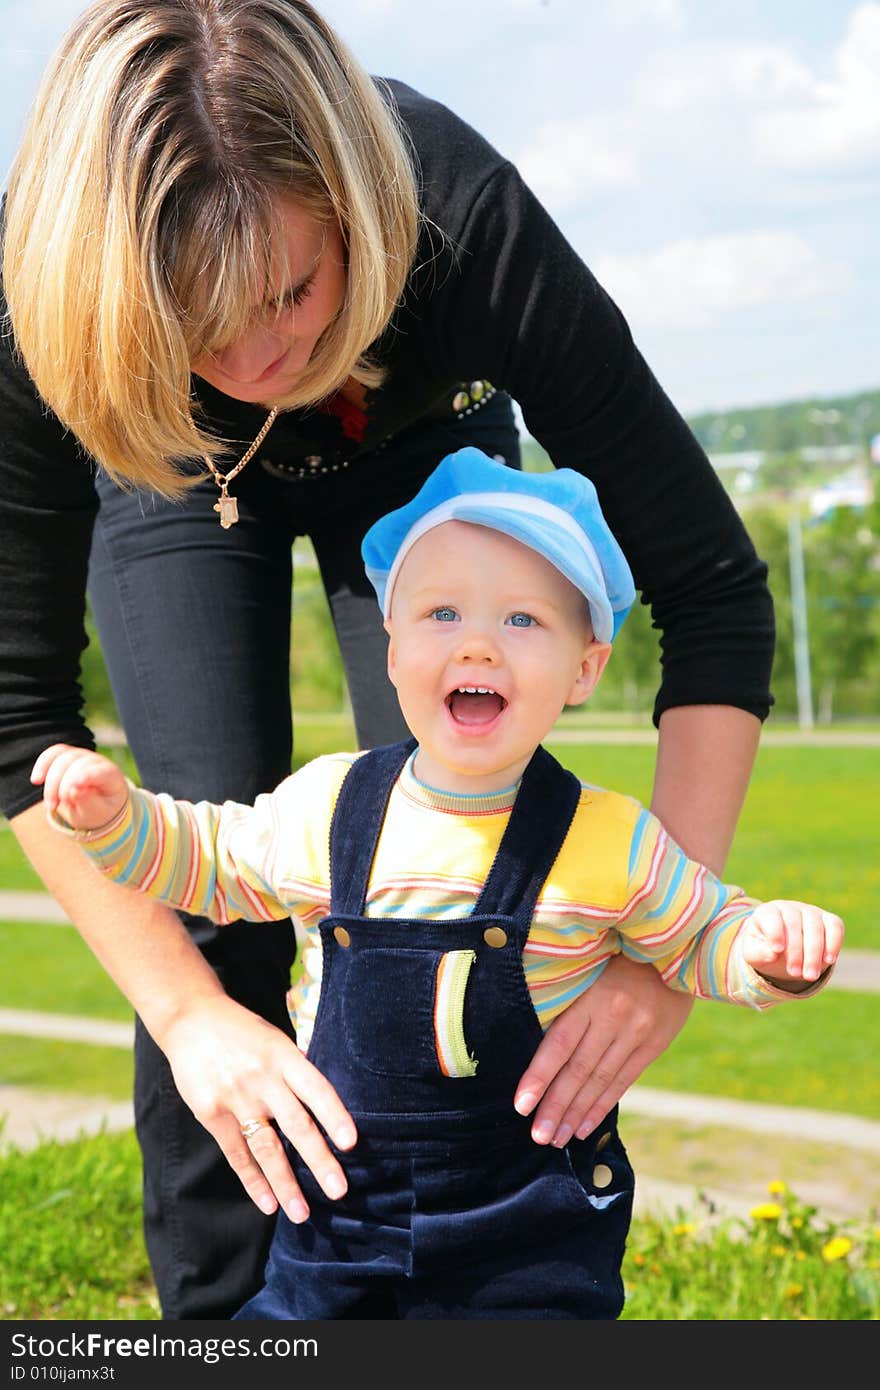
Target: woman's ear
<point>594,663</point>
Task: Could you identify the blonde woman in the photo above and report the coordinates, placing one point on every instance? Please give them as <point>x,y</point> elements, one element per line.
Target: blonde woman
<point>255,294</point>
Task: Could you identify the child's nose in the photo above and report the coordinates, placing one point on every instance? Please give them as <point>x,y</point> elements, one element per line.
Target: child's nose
<point>477,644</point>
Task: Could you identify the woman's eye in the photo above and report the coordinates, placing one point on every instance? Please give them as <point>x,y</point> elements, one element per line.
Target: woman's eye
<point>521,620</point>
<point>445,615</point>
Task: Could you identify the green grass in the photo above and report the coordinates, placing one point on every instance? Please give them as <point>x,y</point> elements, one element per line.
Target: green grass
<point>70,1230</point>
<point>16,874</point>
<point>821,1053</point>
<point>785,1263</point>
<point>50,1064</point>
<point>73,1250</point>
<point>50,968</point>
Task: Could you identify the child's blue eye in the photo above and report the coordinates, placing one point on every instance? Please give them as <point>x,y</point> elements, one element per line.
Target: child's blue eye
<point>445,615</point>
<point>521,620</point>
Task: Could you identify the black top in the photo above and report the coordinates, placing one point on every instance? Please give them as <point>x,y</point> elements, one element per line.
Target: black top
<point>502,297</point>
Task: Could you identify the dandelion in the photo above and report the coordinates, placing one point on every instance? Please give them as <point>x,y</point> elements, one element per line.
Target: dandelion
<point>794,1291</point>
<point>639,1259</point>
<point>800,1254</point>
<point>797,1222</point>
<point>766,1211</point>
<point>776,1188</point>
<point>836,1248</point>
<point>777,1250</point>
<point>683,1228</point>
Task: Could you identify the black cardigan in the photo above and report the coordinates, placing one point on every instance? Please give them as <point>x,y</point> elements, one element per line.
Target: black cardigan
<point>499,295</point>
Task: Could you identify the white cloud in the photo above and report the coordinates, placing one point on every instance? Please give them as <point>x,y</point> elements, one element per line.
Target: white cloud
<point>837,124</point>
<point>694,282</point>
<point>698,76</point>
<point>570,159</point>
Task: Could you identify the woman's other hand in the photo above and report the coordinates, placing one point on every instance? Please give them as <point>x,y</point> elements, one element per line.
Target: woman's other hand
<point>597,1048</point>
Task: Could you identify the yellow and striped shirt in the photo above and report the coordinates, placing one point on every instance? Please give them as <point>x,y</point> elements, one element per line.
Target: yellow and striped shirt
<point>618,884</point>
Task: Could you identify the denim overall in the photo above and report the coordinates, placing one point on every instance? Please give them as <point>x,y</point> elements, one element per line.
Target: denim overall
<point>425,1027</point>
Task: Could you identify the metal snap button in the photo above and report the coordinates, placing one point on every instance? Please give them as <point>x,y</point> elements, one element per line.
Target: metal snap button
<point>342,936</point>
<point>602,1175</point>
<point>495,936</point>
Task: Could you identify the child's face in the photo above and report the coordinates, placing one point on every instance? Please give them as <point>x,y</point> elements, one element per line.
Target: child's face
<point>474,609</point>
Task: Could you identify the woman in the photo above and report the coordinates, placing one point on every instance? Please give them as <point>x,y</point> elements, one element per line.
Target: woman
<point>266,294</point>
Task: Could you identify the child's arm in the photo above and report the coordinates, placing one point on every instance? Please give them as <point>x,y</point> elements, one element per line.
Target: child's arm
<point>709,939</point>
<point>216,861</point>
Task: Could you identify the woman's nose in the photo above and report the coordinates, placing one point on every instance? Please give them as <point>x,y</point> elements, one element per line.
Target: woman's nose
<point>250,356</point>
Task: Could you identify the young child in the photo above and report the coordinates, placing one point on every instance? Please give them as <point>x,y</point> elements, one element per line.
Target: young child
<point>453,895</point>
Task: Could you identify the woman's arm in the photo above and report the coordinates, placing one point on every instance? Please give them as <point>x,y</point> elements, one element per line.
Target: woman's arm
<point>229,1065</point>
<point>705,755</point>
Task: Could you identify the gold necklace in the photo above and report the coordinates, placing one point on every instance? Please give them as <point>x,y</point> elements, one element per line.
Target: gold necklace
<point>228,506</point>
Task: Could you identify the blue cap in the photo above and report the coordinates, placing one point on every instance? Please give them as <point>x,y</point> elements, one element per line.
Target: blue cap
<point>556,514</point>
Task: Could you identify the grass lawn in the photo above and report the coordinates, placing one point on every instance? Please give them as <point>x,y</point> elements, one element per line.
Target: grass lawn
<point>70,1230</point>
<point>50,1064</point>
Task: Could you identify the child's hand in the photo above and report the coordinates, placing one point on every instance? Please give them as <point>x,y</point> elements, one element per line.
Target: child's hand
<point>83,787</point>
<point>787,941</point>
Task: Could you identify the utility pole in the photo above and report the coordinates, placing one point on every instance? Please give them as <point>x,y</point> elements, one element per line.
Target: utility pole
<point>803,684</point>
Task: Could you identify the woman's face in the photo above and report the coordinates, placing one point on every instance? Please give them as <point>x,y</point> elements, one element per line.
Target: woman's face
<point>264,364</point>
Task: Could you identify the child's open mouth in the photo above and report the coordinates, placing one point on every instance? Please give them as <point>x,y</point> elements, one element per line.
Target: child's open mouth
<point>475,705</point>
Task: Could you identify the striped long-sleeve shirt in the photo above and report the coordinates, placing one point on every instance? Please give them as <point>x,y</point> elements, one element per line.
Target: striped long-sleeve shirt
<point>619,883</point>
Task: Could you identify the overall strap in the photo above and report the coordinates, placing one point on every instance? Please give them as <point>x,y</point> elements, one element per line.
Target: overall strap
<point>542,813</point>
<point>357,823</point>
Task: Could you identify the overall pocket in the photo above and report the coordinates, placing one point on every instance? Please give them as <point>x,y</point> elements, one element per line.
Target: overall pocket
<point>403,1012</point>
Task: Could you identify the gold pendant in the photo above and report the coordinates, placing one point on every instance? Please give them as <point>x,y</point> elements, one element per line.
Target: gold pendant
<point>228,508</point>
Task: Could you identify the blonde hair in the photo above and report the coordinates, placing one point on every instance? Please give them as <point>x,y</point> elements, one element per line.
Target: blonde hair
<point>142,207</point>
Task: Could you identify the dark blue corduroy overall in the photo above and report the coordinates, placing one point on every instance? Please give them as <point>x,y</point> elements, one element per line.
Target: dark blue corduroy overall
<point>452,1210</point>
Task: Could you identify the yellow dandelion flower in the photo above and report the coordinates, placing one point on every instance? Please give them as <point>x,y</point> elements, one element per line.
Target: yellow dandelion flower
<point>797,1222</point>
<point>794,1291</point>
<point>639,1260</point>
<point>776,1188</point>
<point>800,1254</point>
<point>683,1228</point>
<point>655,1269</point>
<point>778,1250</point>
<point>766,1211</point>
<point>836,1248</point>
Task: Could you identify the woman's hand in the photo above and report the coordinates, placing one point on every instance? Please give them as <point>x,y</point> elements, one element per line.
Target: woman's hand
<point>231,1066</point>
<point>597,1048</point>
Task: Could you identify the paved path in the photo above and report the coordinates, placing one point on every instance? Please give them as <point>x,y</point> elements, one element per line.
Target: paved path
<point>769,739</point>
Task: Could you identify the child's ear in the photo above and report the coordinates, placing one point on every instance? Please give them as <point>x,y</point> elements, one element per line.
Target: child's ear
<point>392,660</point>
<point>594,663</point>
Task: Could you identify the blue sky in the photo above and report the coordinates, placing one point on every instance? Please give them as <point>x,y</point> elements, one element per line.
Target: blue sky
<point>717,165</point>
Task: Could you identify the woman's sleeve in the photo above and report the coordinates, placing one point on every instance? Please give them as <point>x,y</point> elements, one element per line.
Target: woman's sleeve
<point>524,311</point>
<point>47,510</point>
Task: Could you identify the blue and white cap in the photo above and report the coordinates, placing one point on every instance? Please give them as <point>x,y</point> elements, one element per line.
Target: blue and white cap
<point>556,514</point>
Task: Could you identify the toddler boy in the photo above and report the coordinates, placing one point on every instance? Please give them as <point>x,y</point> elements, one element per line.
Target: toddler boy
<point>453,895</point>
